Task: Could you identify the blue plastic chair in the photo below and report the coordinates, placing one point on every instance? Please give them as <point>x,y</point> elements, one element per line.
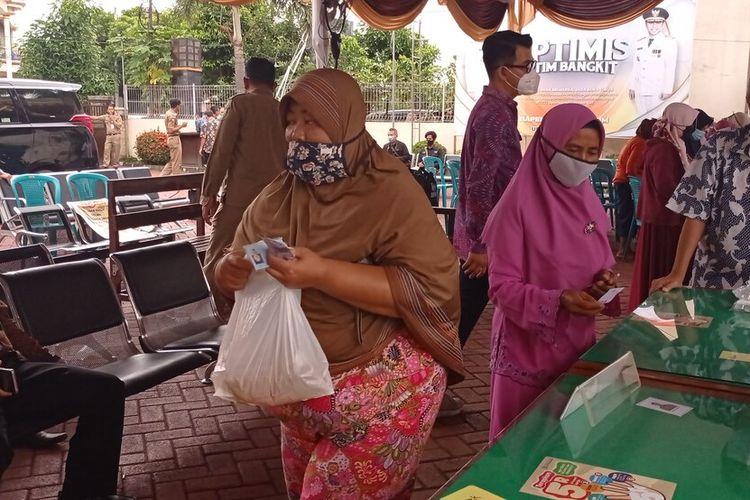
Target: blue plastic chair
<point>635,189</point>
<point>601,180</point>
<point>438,170</point>
<point>454,167</point>
<point>35,189</point>
<point>83,185</point>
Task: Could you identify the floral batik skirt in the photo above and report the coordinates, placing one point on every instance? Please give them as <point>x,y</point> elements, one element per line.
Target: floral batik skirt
<point>365,440</point>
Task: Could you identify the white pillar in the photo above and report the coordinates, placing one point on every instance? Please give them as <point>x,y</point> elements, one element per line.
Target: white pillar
<point>8,48</point>
<point>320,35</point>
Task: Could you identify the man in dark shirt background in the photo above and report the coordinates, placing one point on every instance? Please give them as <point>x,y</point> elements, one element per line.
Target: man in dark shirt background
<point>490,156</point>
<point>396,147</point>
<point>432,147</point>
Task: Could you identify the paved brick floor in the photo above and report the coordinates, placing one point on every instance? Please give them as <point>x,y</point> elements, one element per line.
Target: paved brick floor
<point>182,443</point>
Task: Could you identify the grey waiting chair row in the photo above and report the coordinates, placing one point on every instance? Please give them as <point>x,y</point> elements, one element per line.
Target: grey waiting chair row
<point>73,309</point>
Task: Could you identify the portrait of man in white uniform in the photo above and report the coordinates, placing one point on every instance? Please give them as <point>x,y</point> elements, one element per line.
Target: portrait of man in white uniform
<point>655,62</point>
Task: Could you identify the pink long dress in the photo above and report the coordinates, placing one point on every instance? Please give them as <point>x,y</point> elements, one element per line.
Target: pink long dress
<point>542,238</point>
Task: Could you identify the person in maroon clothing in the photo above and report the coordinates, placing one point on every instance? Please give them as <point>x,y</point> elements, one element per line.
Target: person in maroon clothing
<point>490,156</point>
<point>663,166</point>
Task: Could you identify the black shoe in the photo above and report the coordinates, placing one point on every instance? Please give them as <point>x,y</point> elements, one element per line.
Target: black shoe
<point>450,406</point>
<point>42,439</point>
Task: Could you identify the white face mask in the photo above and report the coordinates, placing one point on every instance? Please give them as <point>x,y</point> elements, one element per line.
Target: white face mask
<point>571,172</point>
<point>528,84</point>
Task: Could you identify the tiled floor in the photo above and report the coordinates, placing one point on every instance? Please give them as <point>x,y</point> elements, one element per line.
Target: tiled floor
<point>183,443</point>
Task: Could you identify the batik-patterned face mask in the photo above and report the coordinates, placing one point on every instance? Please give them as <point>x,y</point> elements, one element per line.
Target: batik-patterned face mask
<point>316,163</point>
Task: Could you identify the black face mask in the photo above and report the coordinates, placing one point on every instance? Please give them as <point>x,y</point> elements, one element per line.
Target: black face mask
<point>430,142</point>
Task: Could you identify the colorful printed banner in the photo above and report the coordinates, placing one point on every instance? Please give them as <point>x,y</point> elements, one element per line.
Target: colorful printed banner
<point>622,74</point>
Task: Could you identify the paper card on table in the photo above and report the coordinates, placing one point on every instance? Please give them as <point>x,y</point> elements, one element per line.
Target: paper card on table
<point>472,493</point>
<point>559,479</point>
<point>690,306</point>
<point>665,406</point>
<point>735,356</point>
<point>670,318</point>
<point>610,295</point>
<point>257,254</point>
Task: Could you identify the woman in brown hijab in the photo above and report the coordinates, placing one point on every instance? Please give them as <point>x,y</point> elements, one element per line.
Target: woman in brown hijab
<point>379,288</point>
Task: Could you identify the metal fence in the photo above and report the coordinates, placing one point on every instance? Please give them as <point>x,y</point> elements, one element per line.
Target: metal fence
<point>152,101</point>
<point>403,102</point>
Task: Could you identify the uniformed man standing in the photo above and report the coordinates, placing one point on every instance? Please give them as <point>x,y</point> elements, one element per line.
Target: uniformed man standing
<point>113,126</point>
<point>249,152</point>
<point>655,63</point>
<point>174,165</point>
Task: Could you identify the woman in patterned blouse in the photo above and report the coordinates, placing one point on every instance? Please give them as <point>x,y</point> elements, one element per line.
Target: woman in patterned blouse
<point>714,196</point>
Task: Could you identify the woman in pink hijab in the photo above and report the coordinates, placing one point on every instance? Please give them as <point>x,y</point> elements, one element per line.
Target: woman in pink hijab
<point>549,260</point>
<point>664,164</point>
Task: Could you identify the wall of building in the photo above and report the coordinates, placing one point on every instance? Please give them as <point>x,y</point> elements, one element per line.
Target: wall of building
<point>445,133</point>
<point>721,57</point>
<point>378,130</point>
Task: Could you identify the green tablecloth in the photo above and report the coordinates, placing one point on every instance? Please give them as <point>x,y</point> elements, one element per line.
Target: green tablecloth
<point>705,452</point>
<point>684,350</point>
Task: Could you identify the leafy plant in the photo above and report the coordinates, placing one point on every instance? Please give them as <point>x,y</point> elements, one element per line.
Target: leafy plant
<point>418,147</point>
<point>152,147</point>
<point>63,46</point>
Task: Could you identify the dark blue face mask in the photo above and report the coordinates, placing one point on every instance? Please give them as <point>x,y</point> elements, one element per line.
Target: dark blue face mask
<point>316,163</point>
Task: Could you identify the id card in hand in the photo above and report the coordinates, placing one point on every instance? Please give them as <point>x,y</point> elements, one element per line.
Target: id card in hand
<point>610,295</point>
<point>257,254</point>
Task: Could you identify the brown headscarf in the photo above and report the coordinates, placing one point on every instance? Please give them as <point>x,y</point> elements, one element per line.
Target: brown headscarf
<point>377,215</point>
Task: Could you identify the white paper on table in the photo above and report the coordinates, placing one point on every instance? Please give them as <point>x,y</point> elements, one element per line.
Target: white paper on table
<point>664,406</point>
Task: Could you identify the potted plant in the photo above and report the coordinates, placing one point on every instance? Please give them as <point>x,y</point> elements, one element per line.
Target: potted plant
<point>152,149</point>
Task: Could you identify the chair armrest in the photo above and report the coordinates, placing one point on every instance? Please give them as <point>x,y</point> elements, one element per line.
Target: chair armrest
<point>13,199</point>
<point>20,233</point>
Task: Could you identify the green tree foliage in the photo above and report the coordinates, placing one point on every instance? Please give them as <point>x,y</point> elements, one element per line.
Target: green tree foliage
<point>82,43</point>
<point>367,55</point>
<point>64,46</point>
<point>145,47</point>
<point>269,31</point>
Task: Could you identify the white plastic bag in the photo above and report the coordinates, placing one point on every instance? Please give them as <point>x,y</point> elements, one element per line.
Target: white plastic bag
<point>269,354</point>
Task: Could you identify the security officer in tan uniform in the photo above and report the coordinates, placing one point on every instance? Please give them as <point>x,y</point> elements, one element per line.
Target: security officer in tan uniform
<point>113,126</point>
<point>249,152</point>
<point>174,165</point>
<point>655,63</point>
